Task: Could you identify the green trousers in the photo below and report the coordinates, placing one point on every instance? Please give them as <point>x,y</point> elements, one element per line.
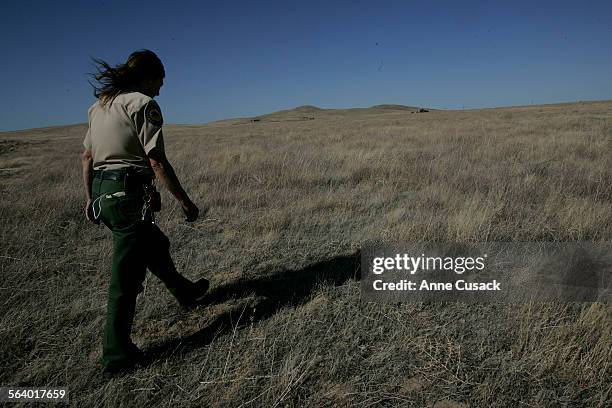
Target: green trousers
<point>137,245</point>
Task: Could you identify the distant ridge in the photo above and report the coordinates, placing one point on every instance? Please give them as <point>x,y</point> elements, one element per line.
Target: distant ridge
<point>308,108</point>
<point>311,109</point>
<point>311,112</point>
<point>393,107</point>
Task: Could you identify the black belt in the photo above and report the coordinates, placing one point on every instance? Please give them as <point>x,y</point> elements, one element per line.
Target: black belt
<point>120,175</point>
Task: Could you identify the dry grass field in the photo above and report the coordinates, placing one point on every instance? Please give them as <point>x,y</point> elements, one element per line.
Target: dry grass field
<point>291,200</point>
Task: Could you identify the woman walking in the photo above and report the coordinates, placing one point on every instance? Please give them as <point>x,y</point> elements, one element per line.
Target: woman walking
<point>124,152</point>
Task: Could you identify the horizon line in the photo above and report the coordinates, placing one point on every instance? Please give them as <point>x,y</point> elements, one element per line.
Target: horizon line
<point>318,107</point>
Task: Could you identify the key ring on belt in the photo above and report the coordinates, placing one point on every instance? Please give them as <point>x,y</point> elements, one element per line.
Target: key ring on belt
<point>147,212</point>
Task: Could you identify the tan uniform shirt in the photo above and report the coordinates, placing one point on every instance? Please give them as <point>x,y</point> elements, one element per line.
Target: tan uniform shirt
<point>123,132</point>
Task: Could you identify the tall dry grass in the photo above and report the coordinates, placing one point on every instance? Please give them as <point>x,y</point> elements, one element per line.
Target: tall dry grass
<point>286,325</point>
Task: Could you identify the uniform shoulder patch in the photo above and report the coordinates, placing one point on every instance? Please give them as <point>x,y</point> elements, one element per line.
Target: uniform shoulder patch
<point>153,114</point>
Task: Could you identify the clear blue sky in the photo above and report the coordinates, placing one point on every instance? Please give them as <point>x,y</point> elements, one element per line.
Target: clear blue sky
<point>230,59</point>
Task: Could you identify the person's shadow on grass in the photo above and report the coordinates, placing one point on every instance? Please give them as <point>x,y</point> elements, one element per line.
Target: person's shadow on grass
<point>272,292</point>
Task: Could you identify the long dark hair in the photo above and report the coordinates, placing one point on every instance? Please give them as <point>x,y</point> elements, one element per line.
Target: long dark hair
<point>112,81</point>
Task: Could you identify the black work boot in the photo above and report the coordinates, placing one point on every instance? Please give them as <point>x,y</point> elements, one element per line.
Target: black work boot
<point>125,367</point>
<point>189,298</point>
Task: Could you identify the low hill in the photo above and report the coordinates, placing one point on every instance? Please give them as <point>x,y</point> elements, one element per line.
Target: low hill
<point>308,108</point>
<point>394,107</point>
<point>310,112</point>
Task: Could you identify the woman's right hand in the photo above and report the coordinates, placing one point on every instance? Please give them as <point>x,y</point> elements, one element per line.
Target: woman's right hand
<point>89,213</point>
